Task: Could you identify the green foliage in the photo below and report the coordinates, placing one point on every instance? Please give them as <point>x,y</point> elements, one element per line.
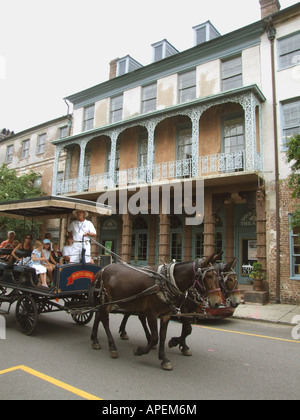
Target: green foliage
<point>257,272</point>
<point>13,187</point>
<point>293,157</point>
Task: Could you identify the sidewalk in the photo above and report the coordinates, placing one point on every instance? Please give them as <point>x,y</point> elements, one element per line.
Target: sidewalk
<point>275,313</point>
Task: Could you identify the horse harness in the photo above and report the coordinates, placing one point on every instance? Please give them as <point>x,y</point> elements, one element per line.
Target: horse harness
<point>165,286</point>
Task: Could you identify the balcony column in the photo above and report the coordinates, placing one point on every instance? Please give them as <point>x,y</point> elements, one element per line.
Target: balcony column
<point>68,163</point>
<point>151,129</point>
<point>58,150</point>
<point>111,176</point>
<point>194,115</point>
<point>80,178</point>
<point>249,103</point>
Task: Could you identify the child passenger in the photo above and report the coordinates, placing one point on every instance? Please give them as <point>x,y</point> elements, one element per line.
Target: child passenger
<point>39,262</point>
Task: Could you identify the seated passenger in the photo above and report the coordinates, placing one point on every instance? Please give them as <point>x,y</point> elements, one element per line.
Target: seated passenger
<point>26,247</point>
<point>50,259</point>
<point>49,236</point>
<point>56,254</point>
<point>39,262</point>
<point>9,241</point>
<point>68,251</point>
<point>8,257</point>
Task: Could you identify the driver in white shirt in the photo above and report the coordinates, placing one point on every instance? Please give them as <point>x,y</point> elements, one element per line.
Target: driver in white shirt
<point>78,230</point>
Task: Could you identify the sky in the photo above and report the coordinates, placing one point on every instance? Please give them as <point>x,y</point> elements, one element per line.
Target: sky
<point>50,49</point>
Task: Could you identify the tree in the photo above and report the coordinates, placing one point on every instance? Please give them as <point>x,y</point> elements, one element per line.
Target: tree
<point>13,187</point>
<point>293,157</point>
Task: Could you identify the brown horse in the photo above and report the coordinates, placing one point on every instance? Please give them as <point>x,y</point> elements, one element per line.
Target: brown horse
<point>140,291</point>
<point>229,285</point>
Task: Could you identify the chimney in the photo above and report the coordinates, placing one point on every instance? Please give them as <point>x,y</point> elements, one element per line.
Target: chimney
<point>113,68</point>
<point>268,7</point>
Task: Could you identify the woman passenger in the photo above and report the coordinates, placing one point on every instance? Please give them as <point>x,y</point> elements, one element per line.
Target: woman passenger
<point>26,247</point>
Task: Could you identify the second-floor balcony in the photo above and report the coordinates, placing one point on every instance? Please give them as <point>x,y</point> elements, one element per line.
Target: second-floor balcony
<point>216,165</point>
<point>207,138</point>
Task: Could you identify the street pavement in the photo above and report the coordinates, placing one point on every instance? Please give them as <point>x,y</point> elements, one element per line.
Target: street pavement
<point>275,313</point>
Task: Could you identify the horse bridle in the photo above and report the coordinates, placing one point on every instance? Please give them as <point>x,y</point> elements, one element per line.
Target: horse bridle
<point>199,275</point>
<point>224,277</point>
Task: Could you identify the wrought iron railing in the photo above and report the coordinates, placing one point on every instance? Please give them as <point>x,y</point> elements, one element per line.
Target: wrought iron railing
<point>216,164</point>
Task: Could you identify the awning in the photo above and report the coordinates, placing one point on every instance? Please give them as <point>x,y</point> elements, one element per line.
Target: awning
<point>50,206</point>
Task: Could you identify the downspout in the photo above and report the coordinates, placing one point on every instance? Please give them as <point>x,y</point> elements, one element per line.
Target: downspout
<point>271,33</point>
<point>69,117</point>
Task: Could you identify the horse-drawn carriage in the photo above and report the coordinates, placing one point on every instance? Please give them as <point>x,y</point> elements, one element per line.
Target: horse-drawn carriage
<point>188,290</point>
<point>20,284</point>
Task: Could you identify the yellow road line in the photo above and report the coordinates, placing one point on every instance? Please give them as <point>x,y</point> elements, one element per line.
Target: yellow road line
<point>52,381</point>
<point>244,333</point>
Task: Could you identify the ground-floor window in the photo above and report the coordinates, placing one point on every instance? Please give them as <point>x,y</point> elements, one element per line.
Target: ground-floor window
<point>176,246</point>
<point>295,252</point>
<point>139,246</point>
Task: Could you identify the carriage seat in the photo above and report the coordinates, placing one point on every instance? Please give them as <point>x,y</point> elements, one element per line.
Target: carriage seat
<point>6,266</point>
<point>25,275</point>
<point>4,252</point>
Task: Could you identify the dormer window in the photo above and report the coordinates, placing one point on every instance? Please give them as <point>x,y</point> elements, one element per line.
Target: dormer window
<point>163,49</point>
<point>205,32</point>
<point>127,64</point>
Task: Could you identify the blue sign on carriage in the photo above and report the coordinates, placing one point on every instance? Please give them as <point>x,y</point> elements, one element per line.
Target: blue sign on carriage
<point>75,277</point>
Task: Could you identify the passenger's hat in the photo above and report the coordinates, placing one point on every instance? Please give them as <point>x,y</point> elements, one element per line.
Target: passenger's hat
<point>86,213</point>
<point>46,241</point>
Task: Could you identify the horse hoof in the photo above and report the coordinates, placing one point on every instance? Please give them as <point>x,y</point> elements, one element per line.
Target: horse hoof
<point>167,366</point>
<point>114,354</point>
<point>137,351</point>
<point>96,346</point>
<point>187,352</point>
<point>124,337</point>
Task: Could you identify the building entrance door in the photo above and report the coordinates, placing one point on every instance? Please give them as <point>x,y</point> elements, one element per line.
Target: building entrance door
<point>139,241</point>
<point>245,242</point>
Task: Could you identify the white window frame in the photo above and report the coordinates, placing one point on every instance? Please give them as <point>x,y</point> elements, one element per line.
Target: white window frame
<point>149,97</point>
<point>9,153</point>
<point>25,149</point>
<point>293,127</point>
<point>116,108</point>
<point>289,54</point>
<point>187,86</point>
<point>88,117</point>
<point>41,144</point>
<point>232,78</point>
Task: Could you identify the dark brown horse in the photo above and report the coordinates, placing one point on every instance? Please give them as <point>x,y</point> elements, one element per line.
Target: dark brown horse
<point>229,285</point>
<point>140,291</point>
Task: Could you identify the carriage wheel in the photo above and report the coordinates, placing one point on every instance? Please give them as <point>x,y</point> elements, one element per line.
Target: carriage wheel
<point>82,319</point>
<point>26,314</point>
